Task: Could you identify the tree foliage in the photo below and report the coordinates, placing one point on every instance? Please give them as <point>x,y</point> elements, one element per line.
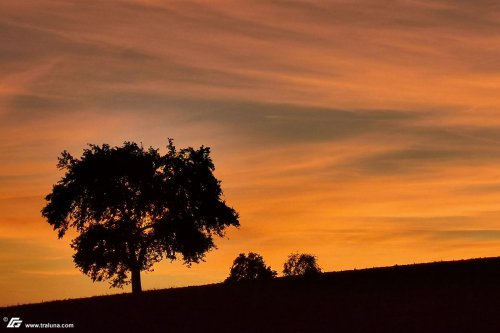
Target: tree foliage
<point>250,267</point>
<point>133,207</point>
<point>301,265</point>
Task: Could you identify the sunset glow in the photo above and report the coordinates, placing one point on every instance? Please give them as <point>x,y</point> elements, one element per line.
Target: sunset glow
<point>364,132</point>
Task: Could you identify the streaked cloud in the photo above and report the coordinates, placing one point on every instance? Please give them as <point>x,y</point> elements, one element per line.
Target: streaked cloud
<point>366,132</point>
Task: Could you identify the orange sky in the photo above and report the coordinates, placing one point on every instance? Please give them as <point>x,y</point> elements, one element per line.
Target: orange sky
<point>365,132</point>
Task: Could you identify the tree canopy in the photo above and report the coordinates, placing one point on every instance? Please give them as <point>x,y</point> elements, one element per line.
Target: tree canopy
<point>250,268</point>
<point>301,265</point>
<point>133,207</point>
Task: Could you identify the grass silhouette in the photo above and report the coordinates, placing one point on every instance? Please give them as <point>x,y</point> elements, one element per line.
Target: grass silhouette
<point>454,296</point>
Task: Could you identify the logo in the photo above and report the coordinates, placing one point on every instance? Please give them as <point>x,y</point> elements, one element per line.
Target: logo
<point>14,322</point>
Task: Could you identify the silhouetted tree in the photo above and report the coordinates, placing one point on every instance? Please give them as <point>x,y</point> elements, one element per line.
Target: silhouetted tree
<point>134,207</point>
<point>248,268</point>
<point>301,265</point>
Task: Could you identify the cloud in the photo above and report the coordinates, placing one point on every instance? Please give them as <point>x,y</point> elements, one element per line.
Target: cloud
<point>291,123</point>
<point>417,160</point>
<point>353,55</point>
<point>333,125</point>
<point>469,235</point>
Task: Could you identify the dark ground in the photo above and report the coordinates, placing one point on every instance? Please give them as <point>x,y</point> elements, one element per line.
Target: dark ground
<point>459,296</point>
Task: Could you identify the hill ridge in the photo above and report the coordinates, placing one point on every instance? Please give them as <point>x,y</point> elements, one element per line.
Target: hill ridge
<point>444,296</point>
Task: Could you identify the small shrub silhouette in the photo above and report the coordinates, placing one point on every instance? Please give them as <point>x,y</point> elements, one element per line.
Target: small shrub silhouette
<point>250,268</point>
<point>301,265</point>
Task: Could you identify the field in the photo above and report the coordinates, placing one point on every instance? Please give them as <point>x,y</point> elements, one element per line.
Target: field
<point>457,296</point>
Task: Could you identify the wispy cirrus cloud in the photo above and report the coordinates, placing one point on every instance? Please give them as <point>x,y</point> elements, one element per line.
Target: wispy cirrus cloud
<point>336,127</point>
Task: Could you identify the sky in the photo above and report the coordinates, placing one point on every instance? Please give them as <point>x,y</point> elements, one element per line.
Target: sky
<point>364,132</point>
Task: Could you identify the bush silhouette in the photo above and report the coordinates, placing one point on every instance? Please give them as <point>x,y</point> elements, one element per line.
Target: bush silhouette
<point>250,268</point>
<point>301,265</point>
<point>133,207</point>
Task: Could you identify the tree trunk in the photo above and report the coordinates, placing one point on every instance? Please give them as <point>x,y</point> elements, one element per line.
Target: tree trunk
<point>136,281</point>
